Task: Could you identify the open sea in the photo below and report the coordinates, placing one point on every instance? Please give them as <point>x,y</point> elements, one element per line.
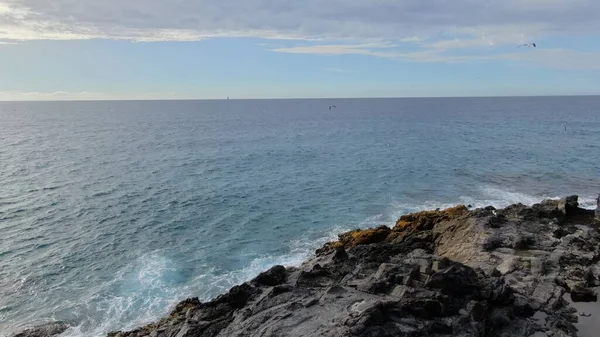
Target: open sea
<point>111,212</point>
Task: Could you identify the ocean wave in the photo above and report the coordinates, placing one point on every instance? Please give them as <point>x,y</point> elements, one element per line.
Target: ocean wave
<point>500,197</point>
<point>141,292</point>
<point>486,195</point>
<point>215,282</point>
<point>147,289</point>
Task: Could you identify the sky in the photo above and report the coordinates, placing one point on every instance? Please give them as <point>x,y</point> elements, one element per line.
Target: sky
<point>212,49</point>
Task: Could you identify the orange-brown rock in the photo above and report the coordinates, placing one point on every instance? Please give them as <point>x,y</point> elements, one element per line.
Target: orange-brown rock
<point>357,237</point>
<point>427,219</point>
<point>407,224</point>
<point>364,236</point>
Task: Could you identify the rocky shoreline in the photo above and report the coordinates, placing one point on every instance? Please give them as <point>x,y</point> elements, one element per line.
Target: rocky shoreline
<point>517,271</point>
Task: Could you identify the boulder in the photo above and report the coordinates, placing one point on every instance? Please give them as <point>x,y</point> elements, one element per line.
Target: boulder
<point>45,330</point>
<point>581,293</point>
<point>272,277</point>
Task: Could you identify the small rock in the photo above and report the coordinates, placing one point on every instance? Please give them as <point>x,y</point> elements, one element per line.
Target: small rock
<point>45,330</point>
<point>425,308</point>
<point>424,269</point>
<point>568,205</point>
<point>507,266</point>
<point>340,254</point>
<point>523,306</point>
<point>590,278</point>
<point>400,291</point>
<point>438,265</point>
<point>499,317</point>
<point>477,310</point>
<point>560,282</point>
<point>311,302</point>
<point>272,277</point>
<point>581,293</point>
<point>523,242</point>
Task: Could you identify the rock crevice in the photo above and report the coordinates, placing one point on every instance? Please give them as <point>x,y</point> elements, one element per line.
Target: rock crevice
<point>455,272</point>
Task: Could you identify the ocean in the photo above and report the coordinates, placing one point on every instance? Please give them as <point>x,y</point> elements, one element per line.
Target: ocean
<point>111,212</point>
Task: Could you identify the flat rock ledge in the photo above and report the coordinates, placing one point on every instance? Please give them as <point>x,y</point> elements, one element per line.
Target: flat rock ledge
<point>455,272</point>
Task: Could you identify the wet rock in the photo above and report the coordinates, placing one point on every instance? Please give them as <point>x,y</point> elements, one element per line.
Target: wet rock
<point>454,272</point>
<point>550,209</point>
<point>272,277</point>
<point>581,293</point>
<point>46,330</point>
<point>497,221</point>
<point>569,205</point>
<point>591,278</point>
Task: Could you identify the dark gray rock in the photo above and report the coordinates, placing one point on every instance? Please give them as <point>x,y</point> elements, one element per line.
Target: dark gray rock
<point>272,277</point>
<point>569,205</point>
<point>488,274</point>
<point>46,330</point>
<point>581,293</point>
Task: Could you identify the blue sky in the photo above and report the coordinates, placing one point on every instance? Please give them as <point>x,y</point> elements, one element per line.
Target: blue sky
<point>155,49</point>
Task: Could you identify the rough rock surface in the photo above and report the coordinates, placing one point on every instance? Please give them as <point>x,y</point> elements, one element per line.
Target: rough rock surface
<point>46,330</point>
<point>454,272</point>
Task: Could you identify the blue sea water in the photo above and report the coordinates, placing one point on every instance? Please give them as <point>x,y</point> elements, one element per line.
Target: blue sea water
<point>111,212</point>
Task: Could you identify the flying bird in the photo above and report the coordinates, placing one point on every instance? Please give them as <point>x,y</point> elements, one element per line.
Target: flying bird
<point>332,106</point>
<point>527,45</point>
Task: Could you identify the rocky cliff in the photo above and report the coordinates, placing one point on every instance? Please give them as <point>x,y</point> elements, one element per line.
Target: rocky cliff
<point>517,271</point>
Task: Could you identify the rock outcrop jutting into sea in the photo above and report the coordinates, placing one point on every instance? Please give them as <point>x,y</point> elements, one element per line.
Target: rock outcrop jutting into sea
<point>455,272</point>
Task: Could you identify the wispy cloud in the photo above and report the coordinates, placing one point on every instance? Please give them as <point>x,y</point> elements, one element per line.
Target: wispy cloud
<point>561,59</point>
<point>415,30</point>
<point>19,95</point>
<point>390,51</point>
<point>23,95</point>
<point>413,39</point>
<point>336,49</point>
<point>335,70</point>
<point>153,20</point>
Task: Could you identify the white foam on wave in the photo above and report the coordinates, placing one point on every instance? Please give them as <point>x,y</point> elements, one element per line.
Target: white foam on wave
<point>484,196</point>
<point>147,289</point>
<point>213,281</point>
<point>588,202</point>
<point>151,290</point>
<point>501,197</point>
<point>139,294</point>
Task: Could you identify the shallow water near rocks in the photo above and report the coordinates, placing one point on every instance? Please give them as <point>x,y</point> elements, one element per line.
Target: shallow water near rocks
<point>111,212</point>
<point>588,314</point>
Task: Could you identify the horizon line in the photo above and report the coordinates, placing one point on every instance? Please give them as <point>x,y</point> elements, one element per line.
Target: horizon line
<point>287,98</point>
